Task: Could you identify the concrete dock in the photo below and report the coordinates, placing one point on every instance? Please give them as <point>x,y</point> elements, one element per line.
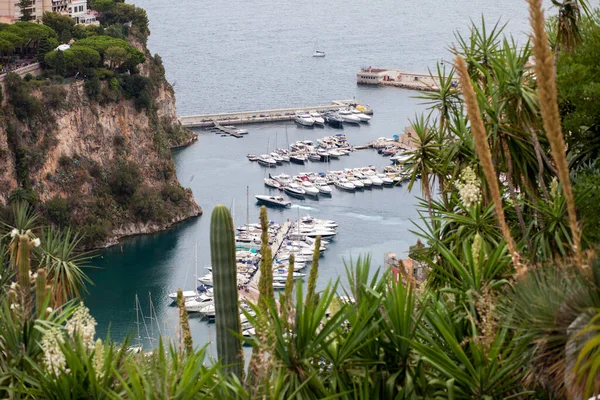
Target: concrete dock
<point>250,117</point>
<point>228,131</point>
<point>252,290</point>
<point>398,78</point>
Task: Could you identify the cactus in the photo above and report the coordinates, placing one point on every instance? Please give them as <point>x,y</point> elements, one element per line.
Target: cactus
<point>222,251</point>
<point>20,249</point>
<point>41,293</point>
<point>314,272</point>
<point>186,336</point>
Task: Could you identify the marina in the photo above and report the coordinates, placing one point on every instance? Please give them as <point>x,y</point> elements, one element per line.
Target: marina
<point>274,115</point>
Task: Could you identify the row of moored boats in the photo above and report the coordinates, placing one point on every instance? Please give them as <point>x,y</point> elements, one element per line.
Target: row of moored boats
<point>335,119</point>
<point>298,240</point>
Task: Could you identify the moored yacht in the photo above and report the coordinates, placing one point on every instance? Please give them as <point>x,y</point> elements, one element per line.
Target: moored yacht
<point>277,201</point>
<point>267,161</point>
<point>317,118</point>
<point>361,116</point>
<point>297,158</point>
<point>323,187</point>
<point>347,116</point>
<point>334,120</point>
<point>295,190</point>
<point>344,184</point>
<point>304,119</point>
<point>310,189</point>
<point>272,183</point>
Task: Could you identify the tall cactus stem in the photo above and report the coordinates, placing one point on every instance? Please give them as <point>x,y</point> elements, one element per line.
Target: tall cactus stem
<point>186,344</point>
<point>24,268</point>
<point>222,251</point>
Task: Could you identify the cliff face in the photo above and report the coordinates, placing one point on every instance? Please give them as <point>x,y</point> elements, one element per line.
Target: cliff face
<point>100,164</point>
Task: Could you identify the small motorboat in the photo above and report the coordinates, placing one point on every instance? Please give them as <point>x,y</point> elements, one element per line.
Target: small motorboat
<point>242,131</point>
<point>267,161</point>
<point>206,279</point>
<point>314,157</point>
<point>323,187</point>
<point>318,53</point>
<point>252,157</point>
<point>277,201</point>
<point>272,183</point>
<point>344,184</point>
<point>335,153</point>
<point>295,190</point>
<point>278,159</point>
<point>298,158</point>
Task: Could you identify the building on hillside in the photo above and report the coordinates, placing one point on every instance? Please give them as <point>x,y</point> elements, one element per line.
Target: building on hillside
<point>407,270</point>
<point>10,11</point>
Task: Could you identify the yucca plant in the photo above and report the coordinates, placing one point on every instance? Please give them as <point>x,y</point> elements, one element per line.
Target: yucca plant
<point>59,255</point>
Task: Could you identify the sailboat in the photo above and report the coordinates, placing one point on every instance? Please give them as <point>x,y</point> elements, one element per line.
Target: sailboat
<point>316,51</point>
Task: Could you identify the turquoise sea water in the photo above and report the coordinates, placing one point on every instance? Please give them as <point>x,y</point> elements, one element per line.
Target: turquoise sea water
<point>227,56</point>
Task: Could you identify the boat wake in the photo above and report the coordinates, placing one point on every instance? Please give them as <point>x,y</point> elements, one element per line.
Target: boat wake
<point>304,207</point>
<point>366,217</point>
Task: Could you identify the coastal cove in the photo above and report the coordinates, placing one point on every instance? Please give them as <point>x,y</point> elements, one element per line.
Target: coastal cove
<point>243,68</point>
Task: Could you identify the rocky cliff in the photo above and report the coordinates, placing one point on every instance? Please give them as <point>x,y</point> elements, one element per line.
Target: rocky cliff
<point>89,155</point>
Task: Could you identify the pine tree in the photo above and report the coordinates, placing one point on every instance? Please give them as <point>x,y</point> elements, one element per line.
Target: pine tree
<point>26,11</point>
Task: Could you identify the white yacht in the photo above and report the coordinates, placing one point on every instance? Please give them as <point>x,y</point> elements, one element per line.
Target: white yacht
<point>357,183</point>
<point>310,189</point>
<point>344,184</point>
<point>317,118</point>
<point>207,279</point>
<point>335,153</point>
<point>363,117</point>
<point>283,179</point>
<point>248,240</point>
<point>199,303</point>
<point>347,116</point>
<point>323,187</point>
<point>375,180</point>
<point>278,159</point>
<point>386,180</point>
<point>267,161</point>
<point>318,53</point>
<point>276,201</point>
<point>294,190</point>
<point>187,295</point>
<point>310,220</point>
<point>304,119</point>
<point>272,183</point>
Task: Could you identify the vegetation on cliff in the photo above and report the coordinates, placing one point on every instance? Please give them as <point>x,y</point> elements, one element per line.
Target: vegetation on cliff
<point>106,75</point>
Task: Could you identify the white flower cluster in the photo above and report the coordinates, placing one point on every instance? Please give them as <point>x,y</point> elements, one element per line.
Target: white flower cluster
<point>14,233</point>
<point>99,359</point>
<point>469,187</point>
<point>476,248</point>
<point>54,359</point>
<point>554,188</point>
<point>84,324</point>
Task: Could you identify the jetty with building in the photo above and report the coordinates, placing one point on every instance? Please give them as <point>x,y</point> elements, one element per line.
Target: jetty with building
<point>397,77</point>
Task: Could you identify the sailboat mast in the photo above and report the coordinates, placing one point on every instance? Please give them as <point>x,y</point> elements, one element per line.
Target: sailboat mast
<point>196,267</point>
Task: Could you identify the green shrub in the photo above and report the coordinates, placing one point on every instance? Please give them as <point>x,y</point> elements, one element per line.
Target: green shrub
<point>56,97</point>
<point>28,77</point>
<point>143,101</point>
<point>58,211</point>
<point>587,187</point>
<point>21,195</point>
<point>147,205</point>
<point>92,87</point>
<point>95,231</point>
<point>133,85</point>
<point>124,180</point>
<point>173,193</point>
<point>24,104</point>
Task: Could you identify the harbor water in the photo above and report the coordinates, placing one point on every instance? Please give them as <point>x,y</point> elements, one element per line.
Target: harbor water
<point>231,56</point>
